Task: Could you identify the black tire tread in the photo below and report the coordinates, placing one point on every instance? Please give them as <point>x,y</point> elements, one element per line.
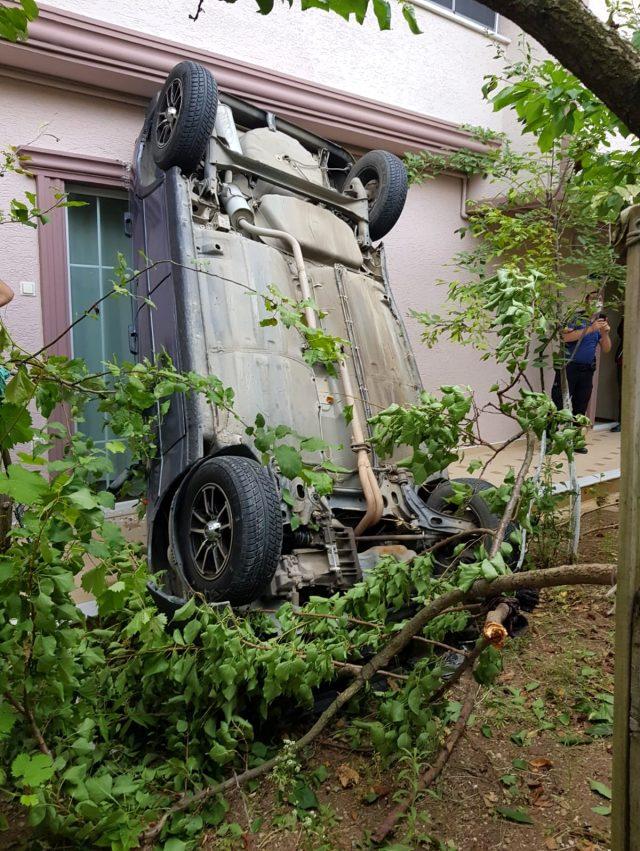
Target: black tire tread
<point>437,502</point>
<point>196,121</point>
<point>259,536</point>
<point>388,206</point>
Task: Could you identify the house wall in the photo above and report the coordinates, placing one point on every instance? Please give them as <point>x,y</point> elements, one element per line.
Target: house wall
<point>439,73</point>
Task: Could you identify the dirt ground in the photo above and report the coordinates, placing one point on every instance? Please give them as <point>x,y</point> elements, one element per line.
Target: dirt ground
<point>538,748</point>
<point>532,772</point>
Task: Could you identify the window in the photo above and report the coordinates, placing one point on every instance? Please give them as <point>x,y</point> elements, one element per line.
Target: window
<point>95,237</point>
<point>473,10</point>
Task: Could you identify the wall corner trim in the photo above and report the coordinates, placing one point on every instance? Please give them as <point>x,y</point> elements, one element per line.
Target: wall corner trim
<point>76,168</point>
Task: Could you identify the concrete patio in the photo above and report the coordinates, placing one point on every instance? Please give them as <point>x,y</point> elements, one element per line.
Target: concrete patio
<point>600,465</point>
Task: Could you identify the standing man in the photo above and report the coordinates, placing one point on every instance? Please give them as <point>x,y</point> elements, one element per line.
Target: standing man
<point>581,340</point>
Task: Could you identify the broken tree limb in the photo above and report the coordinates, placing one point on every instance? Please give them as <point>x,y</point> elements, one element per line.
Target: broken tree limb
<point>494,633</point>
<point>510,510</point>
<point>25,710</point>
<point>429,777</point>
<point>489,636</point>
<point>586,574</point>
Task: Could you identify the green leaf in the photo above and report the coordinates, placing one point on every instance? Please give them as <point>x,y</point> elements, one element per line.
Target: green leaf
<point>33,771</point>
<point>409,14</point>
<point>30,8</point>
<point>15,425</point>
<point>382,11</point>
<point>348,414</point>
<point>313,444</point>
<point>289,461</point>
<point>303,797</point>
<point>600,789</point>
<point>517,814</point>
<point>84,499</point>
<point>115,446</point>
<point>320,774</point>
<point>20,389</point>
<point>174,844</point>
<point>23,485</point>
<point>604,810</point>
<point>187,611</point>
<point>8,718</point>
<point>191,630</point>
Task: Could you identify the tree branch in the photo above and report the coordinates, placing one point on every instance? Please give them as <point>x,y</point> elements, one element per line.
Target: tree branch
<point>509,511</point>
<point>429,777</point>
<point>586,574</point>
<point>25,710</point>
<point>599,56</point>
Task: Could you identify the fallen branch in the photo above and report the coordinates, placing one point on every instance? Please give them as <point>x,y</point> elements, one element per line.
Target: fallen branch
<point>600,529</point>
<point>493,633</point>
<point>586,574</point>
<point>429,777</point>
<point>354,670</point>
<point>510,510</point>
<point>25,710</point>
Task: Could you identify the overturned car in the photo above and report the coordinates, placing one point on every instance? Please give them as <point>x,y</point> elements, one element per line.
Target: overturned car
<point>239,202</point>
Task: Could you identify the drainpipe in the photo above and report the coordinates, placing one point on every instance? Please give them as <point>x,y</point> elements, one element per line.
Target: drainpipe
<point>464,192</point>
<point>464,197</point>
<point>241,215</point>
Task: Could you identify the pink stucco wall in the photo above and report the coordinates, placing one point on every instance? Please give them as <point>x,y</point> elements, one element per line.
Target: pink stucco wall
<point>420,250</point>
<point>440,73</point>
<point>62,121</point>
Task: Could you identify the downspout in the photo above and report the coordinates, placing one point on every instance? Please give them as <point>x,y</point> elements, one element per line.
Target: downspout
<point>240,214</point>
<point>464,197</point>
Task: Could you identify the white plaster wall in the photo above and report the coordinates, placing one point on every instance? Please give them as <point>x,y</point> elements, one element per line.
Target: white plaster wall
<point>437,73</point>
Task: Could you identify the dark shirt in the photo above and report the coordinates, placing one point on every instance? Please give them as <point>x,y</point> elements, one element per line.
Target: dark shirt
<point>582,351</point>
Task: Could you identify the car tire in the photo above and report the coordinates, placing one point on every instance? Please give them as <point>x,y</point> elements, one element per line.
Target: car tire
<point>184,117</point>
<point>384,177</point>
<point>234,560</point>
<point>476,510</point>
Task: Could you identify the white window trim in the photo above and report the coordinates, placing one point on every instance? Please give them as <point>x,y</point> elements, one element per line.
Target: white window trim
<point>462,21</point>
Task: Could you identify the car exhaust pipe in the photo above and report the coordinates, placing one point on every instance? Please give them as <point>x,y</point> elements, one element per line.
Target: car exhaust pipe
<point>242,217</point>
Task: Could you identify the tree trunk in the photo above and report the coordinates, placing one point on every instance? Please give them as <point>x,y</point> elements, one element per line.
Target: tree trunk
<point>625,821</point>
<point>604,61</point>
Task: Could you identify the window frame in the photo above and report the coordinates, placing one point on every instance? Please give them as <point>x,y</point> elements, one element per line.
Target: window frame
<point>54,171</point>
<point>453,14</point>
<point>72,188</point>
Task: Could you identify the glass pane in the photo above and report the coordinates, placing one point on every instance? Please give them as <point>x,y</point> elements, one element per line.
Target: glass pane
<point>477,12</point>
<point>83,231</point>
<point>116,318</point>
<point>96,236</point>
<point>448,4</point>
<point>87,335</point>
<point>114,241</point>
